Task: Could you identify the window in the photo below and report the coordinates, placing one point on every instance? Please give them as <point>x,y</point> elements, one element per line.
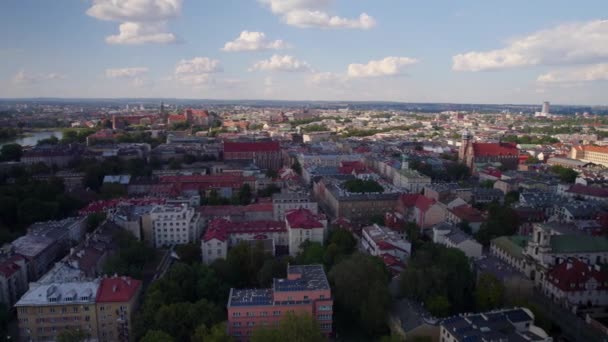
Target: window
<point>276,313</point>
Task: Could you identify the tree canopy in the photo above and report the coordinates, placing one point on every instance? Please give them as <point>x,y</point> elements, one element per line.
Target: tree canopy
<point>367,303</point>
<point>293,327</point>
<point>363,186</point>
<point>436,275</point>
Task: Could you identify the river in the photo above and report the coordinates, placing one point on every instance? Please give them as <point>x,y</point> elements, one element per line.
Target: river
<point>32,138</point>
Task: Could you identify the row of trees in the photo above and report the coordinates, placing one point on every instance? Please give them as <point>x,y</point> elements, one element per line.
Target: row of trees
<point>27,200</point>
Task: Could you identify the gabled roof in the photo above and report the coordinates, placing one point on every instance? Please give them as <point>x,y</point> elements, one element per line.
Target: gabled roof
<point>303,219</point>
<point>423,203</point>
<point>572,275</point>
<point>117,289</point>
<point>409,200</point>
<point>578,244</point>
<point>468,213</point>
<point>493,149</point>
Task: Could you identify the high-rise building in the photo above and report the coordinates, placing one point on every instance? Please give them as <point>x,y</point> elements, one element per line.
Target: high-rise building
<point>546,107</point>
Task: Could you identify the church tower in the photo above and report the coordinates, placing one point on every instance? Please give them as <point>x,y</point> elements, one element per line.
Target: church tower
<point>405,164</point>
<point>465,144</point>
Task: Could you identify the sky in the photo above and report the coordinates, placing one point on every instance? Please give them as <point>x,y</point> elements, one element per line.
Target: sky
<point>467,51</point>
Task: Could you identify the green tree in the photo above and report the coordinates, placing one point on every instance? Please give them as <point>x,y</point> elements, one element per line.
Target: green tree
<point>368,302</point>
<point>11,152</point>
<point>489,293</point>
<point>94,220</point>
<point>502,220</point>
<point>189,253</point>
<point>217,333</point>
<point>157,336</point>
<point>438,306</point>
<point>244,196</point>
<point>566,175</point>
<point>72,335</point>
<point>310,253</point>
<point>293,328</point>
<point>438,271</point>
<point>363,186</point>
<point>457,171</point>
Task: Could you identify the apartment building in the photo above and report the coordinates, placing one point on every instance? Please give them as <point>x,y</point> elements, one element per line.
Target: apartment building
<point>304,291</point>
<point>285,201</point>
<point>13,279</point>
<point>501,325</point>
<point>116,303</point>
<point>175,224</point>
<point>591,154</point>
<point>46,310</point>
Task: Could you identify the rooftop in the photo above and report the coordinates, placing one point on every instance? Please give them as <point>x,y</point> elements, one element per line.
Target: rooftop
<point>117,289</point>
<point>302,278</point>
<point>60,293</point>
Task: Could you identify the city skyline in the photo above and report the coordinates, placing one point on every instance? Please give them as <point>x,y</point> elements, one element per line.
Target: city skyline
<point>302,50</point>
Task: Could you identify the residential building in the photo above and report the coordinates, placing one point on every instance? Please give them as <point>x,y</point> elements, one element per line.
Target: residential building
<point>175,224</point>
<point>222,234</point>
<point>590,154</point>
<point>46,310</point>
<point>304,225</point>
<point>285,201</point>
<point>304,291</point>
<point>452,237</point>
<point>356,207</point>
<point>574,283</point>
<point>115,305</point>
<point>501,325</point>
<point>387,244</point>
<point>466,214</point>
<point>13,279</point>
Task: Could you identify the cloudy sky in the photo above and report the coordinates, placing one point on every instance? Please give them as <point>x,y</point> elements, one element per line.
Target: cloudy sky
<point>516,51</point>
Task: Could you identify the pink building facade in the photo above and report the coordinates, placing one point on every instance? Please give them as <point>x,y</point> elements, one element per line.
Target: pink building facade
<point>305,291</point>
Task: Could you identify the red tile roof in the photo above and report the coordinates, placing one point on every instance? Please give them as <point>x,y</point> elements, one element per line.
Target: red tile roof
<point>117,289</point>
<point>9,266</point>
<point>221,228</point>
<point>423,203</point>
<point>572,275</point>
<point>581,189</point>
<point>492,149</point>
<point>468,213</point>
<point>409,200</point>
<point>260,146</point>
<point>303,219</point>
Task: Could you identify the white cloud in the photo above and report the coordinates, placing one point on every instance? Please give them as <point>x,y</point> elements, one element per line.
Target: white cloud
<point>389,66</point>
<point>197,71</point>
<point>126,72</point>
<point>281,63</point>
<point>24,78</point>
<point>142,21</point>
<point>312,13</point>
<point>198,65</point>
<point>591,73</point>
<point>253,41</point>
<point>562,45</point>
<point>327,78</point>
<point>132,33</point>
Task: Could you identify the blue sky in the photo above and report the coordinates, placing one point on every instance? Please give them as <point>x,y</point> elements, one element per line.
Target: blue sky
<point>401,50</point>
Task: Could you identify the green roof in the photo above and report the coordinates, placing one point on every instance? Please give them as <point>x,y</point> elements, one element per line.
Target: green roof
<point>578,243</point>
<point>513,245</point>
